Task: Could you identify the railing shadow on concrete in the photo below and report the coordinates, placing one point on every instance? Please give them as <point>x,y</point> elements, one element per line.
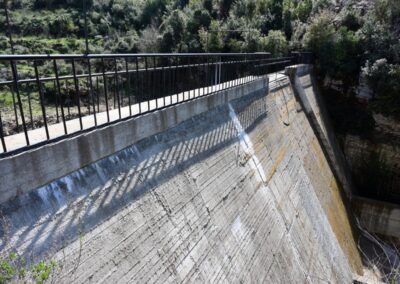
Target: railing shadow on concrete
<point>47,219</point>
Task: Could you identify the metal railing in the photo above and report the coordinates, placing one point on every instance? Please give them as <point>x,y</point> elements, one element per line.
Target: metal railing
<point>60,95</point>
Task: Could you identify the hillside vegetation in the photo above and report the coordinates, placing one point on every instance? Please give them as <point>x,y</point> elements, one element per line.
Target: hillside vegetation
<point>348,37</point>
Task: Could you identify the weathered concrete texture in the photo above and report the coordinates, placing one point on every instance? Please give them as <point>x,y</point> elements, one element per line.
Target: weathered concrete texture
<point>378,217</point>
<point>29,170</point>
<point>305,88</point>
<point>239,194</point>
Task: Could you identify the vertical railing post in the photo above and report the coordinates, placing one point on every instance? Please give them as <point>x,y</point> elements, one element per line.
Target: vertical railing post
<point>154,81</point>
<point>77,95</point>
<point>209,74</point>
<point>165,92</point>
<point>41,99</point>
<point>138,93</point>
<point>117,87</point>
<point>14,105</point>
<point>219,69</point>
<point>105,88</point>
<point>3,142</point>
<point>128,86</point>
<point>205,61</point>
<point>147,83</point>
<point>59,95</point>
<point>30,106</point>
<point>69,99</point>
<point>91,91</point>
<point>174,84</point>
<point>21,110</point>
<point>215,65</point>
<point>190,76</point>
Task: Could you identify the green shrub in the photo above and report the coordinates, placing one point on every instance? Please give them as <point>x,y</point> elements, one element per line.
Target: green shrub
<point>337,51</point>
<point>275,43</point>
<point>384,80</point>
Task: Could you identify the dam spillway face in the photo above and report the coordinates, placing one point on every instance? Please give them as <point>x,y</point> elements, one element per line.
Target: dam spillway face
<point>240,193</point>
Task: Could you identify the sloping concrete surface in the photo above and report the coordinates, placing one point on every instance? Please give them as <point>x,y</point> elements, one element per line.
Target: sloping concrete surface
<point>305,87</point>
<point>239,194</point>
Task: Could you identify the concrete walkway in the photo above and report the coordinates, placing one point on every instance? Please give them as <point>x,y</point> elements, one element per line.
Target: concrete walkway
<point>17,141</point>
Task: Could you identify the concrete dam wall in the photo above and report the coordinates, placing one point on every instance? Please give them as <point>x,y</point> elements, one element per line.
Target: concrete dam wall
<point>230,188</point>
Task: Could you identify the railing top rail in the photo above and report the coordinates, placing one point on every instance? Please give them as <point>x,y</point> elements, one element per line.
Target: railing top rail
<point>122,55</point>
<point>302,52</point>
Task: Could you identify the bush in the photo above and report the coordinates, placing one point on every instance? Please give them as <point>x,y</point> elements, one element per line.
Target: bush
<point>174,29</point>
<point>303,10</point>
<point>378,41</point>
<point>149,40</point>
<point>275,43</point>
<point>200,19</point>
<point>351,21</point>
<point>337,51</point>
<point>211,41</point>
<point>62,25</point>
<point>152,9</point>
<point>319,38</point>
<point>346,58</point>
<point>384,80</point>
<point>377,75</point>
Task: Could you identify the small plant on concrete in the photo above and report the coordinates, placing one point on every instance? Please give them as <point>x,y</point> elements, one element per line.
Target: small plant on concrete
<point>7,271</point>
<point>42,271</point>
<point>13,267</point>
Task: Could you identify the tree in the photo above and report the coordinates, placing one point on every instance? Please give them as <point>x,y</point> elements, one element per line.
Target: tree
<point>200,18</point>
<point>287,24</point>
<point>319,39</point>
<point>149,40</point>
<point>346,57</point>
<point>211,41</point>
<point>152,10</point>
<point>224,7</point>
<point>351,21</point>
<point>174,28</point>
<point>252,40</point>
<point>378,41</point>
<point>276,9</point>
<point>275,43</point>
<point>303,10</point>
<point>337,51</point>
